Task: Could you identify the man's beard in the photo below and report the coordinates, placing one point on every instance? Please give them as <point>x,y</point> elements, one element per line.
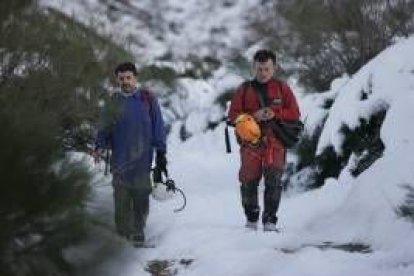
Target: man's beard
<point>127,87</point>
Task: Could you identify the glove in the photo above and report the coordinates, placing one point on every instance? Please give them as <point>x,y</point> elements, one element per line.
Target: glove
<point>156,175</point>
<point>161,161</point>
<point>170,185</point>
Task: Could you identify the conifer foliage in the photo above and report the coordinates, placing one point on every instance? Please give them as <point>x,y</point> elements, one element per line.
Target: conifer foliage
<point>51,73</point>
<point>327,38</point>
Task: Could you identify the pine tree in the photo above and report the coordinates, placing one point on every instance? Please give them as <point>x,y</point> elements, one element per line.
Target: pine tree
<point>52,72</point>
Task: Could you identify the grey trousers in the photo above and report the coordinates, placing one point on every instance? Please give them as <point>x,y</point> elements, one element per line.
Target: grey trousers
<point>131,206</point>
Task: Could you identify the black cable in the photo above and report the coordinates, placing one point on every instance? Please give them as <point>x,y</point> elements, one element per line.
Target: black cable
<point>184,201</point>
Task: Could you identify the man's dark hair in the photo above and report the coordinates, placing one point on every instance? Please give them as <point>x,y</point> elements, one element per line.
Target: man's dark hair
<point>264,55</point>
<point>126,66</point>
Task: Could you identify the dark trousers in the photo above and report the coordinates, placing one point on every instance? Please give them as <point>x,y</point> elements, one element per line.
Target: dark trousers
<point>266,159</point>
<point>131,208</point>
<point>272,195</point>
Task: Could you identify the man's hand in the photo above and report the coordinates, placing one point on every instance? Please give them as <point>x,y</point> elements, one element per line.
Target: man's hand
<point>161,161</point>
<point>264,114</point>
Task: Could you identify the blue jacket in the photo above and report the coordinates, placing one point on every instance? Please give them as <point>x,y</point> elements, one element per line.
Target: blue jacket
<point>132,131</point>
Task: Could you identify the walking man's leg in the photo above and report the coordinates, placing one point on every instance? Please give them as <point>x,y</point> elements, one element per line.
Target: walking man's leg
<point>250,203</point>
<point>274,163</point>
<point>140,206</point>
<point>123,211</point>
<point>249,176</point>
<point>272,195</point>
<point>141,210</point>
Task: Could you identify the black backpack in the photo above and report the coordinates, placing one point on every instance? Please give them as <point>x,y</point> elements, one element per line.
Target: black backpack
<point>288,132</point>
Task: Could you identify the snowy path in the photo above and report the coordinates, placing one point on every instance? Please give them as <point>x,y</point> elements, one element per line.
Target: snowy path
<point>208,237</point>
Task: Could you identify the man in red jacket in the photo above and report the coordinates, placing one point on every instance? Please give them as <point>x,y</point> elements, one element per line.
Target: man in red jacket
<point>266,99</point>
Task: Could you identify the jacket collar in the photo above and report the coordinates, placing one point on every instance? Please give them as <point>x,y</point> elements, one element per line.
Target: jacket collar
<point>134,93</point>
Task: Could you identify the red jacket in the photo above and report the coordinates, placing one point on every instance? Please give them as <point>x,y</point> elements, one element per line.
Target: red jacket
<point>279,95</point>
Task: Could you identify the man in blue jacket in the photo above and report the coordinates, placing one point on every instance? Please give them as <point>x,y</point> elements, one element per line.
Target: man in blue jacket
<point>131,126</point>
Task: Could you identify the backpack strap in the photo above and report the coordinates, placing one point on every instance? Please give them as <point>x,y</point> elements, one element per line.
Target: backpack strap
<point>261,92</point>
<point>262,95</point>
<point>147,98</point>
<point>245,86</point>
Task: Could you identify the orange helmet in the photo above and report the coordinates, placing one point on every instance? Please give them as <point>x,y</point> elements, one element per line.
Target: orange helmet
<point>247,128</point>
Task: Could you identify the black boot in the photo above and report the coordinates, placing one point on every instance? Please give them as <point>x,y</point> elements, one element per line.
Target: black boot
<point>250,203</point>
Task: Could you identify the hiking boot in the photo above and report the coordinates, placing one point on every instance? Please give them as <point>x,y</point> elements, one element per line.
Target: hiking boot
<point>270,227</point>
<point>137,240</point>
<point>251,225</point>
<point>269,218</point>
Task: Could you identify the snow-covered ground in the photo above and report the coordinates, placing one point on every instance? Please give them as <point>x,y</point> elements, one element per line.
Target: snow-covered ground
<point>210,231</point>
<point>347,227</point>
